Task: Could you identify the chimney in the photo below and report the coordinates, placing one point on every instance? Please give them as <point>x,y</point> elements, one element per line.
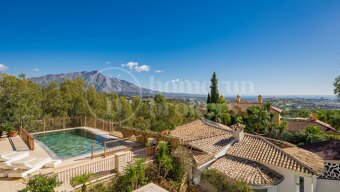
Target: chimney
<point>314,116</point>
<point>259,99</point>
<point>238,99</point>
<point>238,131</point>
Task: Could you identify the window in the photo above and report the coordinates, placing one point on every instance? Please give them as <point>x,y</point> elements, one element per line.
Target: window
<point>301,184</point>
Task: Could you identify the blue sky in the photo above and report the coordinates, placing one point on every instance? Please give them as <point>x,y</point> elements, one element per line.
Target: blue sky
<point>275,47</point>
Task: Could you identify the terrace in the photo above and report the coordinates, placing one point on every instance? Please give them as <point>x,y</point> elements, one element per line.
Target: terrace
<point>75,147</point>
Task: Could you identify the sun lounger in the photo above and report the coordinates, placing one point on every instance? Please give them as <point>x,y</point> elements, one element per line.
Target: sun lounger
<point>29,162</point>
<point>13,155</point>
<point>4,154</point>
<point>25,168</point>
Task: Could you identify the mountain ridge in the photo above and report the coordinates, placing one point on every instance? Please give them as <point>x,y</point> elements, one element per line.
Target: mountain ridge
<point>99,81</point>
<point>103,83</point>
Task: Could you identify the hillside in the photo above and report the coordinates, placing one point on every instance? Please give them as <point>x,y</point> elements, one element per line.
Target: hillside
<point>99,81</point>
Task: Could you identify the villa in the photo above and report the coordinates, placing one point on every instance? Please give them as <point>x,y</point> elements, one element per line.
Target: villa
<point>299,124</point>
<point>239,107</point>
<point>264,164</point>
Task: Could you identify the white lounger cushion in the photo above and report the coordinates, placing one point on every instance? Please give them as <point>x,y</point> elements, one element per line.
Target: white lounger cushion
<point>14,155</point>
<point>30,163</point>
<point>23,161</point>
<point>35,165</point>
<point>3,155</point>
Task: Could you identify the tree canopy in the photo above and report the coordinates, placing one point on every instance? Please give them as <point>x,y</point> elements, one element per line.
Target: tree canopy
<point>21,100</point>
<point>337,86</point>
<point>214,93</point>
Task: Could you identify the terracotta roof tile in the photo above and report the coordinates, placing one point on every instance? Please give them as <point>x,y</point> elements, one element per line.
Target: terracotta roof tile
<point>243,106</point>
<point>212,144</point>
<point>258,149</point>
<point>201,136</point>
<point>201,157</point>
<point>250,172</point>
<point>199,129</point>
<point>299,124</point>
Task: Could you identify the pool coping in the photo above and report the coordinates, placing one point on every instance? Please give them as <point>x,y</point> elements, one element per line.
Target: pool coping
<point>95,131</point>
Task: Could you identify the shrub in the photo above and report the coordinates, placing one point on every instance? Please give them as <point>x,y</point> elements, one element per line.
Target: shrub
<point>222,183</point>
<point>40,183</point>
<point>81,179</point>
<point>151,172</point>
<point>102,187</point>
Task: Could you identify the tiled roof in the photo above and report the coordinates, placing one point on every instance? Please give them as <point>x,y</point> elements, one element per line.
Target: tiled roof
<point>299,124</point>
<point>212,144</point>
<point>251,147</point>
<point>328,150</point>
<point>250,172</point>
<point>199,129</point>
<point>276,109</point>
<point>258,149</point>
<point>201,157</point>
<point>243,106</point>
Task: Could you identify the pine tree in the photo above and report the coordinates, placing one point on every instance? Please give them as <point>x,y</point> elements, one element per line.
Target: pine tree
<point>208,98</point>
<point>214,94</point>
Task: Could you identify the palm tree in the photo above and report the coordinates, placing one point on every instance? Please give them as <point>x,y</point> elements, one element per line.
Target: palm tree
<point>167,165</point>
<point>161,153</point>
<point>140,171</point>
<point>267,106</point>
<point>81,179</point>
<point>258,118</point>
<point>218,113</point>
<point>282,127</point>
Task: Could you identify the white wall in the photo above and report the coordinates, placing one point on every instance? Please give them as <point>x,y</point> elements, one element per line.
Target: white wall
<point>289,183</point>
<point>273,189</point>
<point>326,185</point>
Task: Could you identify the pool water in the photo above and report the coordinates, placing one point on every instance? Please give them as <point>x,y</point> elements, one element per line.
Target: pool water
<point>70,143</point>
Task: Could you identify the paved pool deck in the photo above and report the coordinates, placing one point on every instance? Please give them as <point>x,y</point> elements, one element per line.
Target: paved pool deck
<point>13,184</point>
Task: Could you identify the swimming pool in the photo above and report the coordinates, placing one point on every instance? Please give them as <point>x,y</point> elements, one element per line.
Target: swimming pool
<point>70,143</point>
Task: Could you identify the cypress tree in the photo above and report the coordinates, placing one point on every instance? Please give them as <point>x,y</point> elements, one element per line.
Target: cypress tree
<point>214,94</point>
<point>208,98</point>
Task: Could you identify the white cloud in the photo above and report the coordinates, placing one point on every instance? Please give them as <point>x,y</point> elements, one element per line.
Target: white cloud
<point>158,71</point>
<point>3,67</point>
<point>118,75</point>
<point>130,65</point>
<point>36,69</point>
<point>142,68</point>
<point>108,62</point>
<point>175,80</point>
<point>135,66</point>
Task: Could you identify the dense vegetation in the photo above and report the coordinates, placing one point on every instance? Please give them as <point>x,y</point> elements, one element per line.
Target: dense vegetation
<point>41,183</point>
<point>311,134</point>
<point>259,119</point>
<point>222,183</point>
<point>169,170</point>
<point>216,109</point>
<point>21,100</point>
